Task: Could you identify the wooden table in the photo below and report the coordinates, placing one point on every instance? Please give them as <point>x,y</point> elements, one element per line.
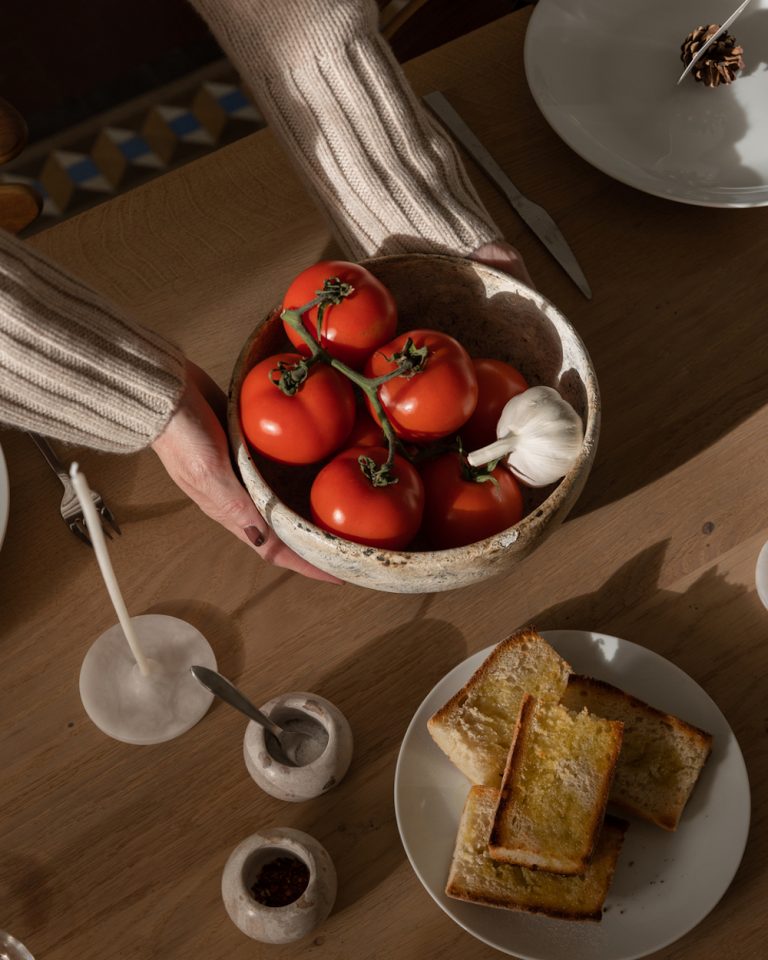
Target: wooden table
<point>111,851</point>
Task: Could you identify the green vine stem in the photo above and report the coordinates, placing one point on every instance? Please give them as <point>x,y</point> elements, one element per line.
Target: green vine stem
<point>409,360</point>
<point>482,474</point>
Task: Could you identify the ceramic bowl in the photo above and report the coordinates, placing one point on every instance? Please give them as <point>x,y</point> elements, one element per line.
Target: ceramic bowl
<point>295,920</point>
<point>323,768</point>
<point>492,315</point>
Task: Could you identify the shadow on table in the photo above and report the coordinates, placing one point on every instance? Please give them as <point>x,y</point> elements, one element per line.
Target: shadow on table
<point>380,688</point>
<point>712,615</point>
<point>29,895</point>
<point>660,369</point>
<point>356,820</point>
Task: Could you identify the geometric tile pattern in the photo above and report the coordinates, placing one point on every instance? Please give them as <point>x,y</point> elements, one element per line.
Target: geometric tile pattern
<point>136,146</point>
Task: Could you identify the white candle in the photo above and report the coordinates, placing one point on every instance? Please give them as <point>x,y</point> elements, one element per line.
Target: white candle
<point>93,523</point>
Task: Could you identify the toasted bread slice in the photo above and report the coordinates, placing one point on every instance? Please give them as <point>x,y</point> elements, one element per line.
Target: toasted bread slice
<point>661,756</point>
<point>475,876</point>
<point>555,788</point>
<point>475,727</point>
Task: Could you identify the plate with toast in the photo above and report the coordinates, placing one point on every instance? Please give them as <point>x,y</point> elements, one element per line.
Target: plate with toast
<point>572,796</point>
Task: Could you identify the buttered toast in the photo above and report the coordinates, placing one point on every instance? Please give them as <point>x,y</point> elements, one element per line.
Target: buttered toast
<point>661,756</point>
<point>476,877</point>
<point>555,788</point>
<point>474,729</point>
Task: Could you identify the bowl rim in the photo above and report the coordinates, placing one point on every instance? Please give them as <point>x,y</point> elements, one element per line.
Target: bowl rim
<point>568,488</point>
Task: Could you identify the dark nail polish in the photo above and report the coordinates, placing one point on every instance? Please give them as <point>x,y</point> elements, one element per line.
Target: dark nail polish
<point>254,535</point>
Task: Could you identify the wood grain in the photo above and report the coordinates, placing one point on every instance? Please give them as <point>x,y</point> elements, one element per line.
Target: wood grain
<point>111,851</point>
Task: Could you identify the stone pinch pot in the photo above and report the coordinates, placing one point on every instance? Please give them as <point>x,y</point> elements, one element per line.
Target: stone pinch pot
<point>492,315</point>
<point>294,920</point>
<point>296,783</point>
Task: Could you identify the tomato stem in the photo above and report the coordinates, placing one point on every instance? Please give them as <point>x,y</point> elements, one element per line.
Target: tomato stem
<point>294,321</point>
<point>482,474</point>
<point>377,475</point>
<point>369,386</point>
<point>409,360</point>
<point>289,376</point>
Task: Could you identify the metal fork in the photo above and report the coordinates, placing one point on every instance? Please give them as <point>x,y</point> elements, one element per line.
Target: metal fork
<point>71,511</point>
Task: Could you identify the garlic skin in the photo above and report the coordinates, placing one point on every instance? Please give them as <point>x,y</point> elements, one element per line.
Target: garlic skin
<point>539,433</point>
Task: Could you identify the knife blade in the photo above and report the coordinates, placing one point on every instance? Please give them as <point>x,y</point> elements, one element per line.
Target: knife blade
<point>531,213</point>
<point>703,49</point>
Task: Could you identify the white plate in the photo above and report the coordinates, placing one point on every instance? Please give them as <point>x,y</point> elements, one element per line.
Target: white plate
<point>665,883</point>
<point>604,74</point>
<point>4,496</point>
<point>761,575</point>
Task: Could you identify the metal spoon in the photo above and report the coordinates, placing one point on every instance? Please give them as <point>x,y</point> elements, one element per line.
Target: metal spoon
<point>286,741</point>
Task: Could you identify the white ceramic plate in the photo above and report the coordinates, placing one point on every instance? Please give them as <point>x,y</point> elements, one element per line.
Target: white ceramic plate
<point>665,883</point>
<point>761,575</point>
<point>604,74</point>
<point>4,496</point>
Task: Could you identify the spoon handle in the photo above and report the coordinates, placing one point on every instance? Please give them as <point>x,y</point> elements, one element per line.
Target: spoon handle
<point>222,688</point>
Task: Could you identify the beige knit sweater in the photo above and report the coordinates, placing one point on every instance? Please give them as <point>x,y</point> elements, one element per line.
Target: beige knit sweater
<point>75,367</point>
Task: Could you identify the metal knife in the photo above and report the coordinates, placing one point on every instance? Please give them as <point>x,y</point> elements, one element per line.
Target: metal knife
<point>703,49</point>
<point>531,213</point>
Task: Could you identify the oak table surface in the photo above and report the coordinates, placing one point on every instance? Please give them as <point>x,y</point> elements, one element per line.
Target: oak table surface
<point>113,851</point>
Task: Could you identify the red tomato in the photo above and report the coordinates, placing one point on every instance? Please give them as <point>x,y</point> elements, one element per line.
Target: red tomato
<point>352,329</point>
<point>345,502</point>
<point>458,511</point>
<point>433,402</point>
<point>497,383</point>
<point>304,428</point>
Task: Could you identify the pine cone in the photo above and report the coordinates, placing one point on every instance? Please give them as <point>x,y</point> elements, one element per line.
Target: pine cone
<point>721,61</point>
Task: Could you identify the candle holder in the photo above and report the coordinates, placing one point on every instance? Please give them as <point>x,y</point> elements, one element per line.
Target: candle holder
<point>136,708</point>
<point>12,949</point>
<point>135,682</point>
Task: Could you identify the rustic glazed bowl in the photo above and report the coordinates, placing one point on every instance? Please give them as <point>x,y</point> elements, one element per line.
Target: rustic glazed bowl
<point>492,315</point>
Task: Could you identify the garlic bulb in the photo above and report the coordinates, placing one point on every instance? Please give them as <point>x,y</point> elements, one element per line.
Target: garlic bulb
<point>539,433</point>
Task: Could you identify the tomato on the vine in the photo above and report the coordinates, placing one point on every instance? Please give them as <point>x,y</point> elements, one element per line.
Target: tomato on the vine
<point>353,328</point>
<point>344,501</point>
<point>365,431</point>
<point>298,429</point>
<point>497,383</point>
<point>431,402</point>
<point>459,509</point>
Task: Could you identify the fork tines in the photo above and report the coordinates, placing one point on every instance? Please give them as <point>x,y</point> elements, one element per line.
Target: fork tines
<point>79,527</point>
<point>106,515</point>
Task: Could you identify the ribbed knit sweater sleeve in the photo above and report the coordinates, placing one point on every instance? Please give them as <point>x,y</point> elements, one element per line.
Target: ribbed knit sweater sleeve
<point>385,173</point>
<point>75,367</point>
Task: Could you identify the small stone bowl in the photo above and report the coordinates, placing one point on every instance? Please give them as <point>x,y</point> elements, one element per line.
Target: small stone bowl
<point>294,920</point>
<point>492,315</point>
<point>327,759</point>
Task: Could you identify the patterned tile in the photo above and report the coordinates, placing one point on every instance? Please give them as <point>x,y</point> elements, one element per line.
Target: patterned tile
<point>135,143</point>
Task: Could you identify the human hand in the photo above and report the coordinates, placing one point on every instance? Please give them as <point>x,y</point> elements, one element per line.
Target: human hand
<point>503,256</point>
<point>193,449</point>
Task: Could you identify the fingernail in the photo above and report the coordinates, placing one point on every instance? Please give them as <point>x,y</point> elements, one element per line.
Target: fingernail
<point>254,535</point>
